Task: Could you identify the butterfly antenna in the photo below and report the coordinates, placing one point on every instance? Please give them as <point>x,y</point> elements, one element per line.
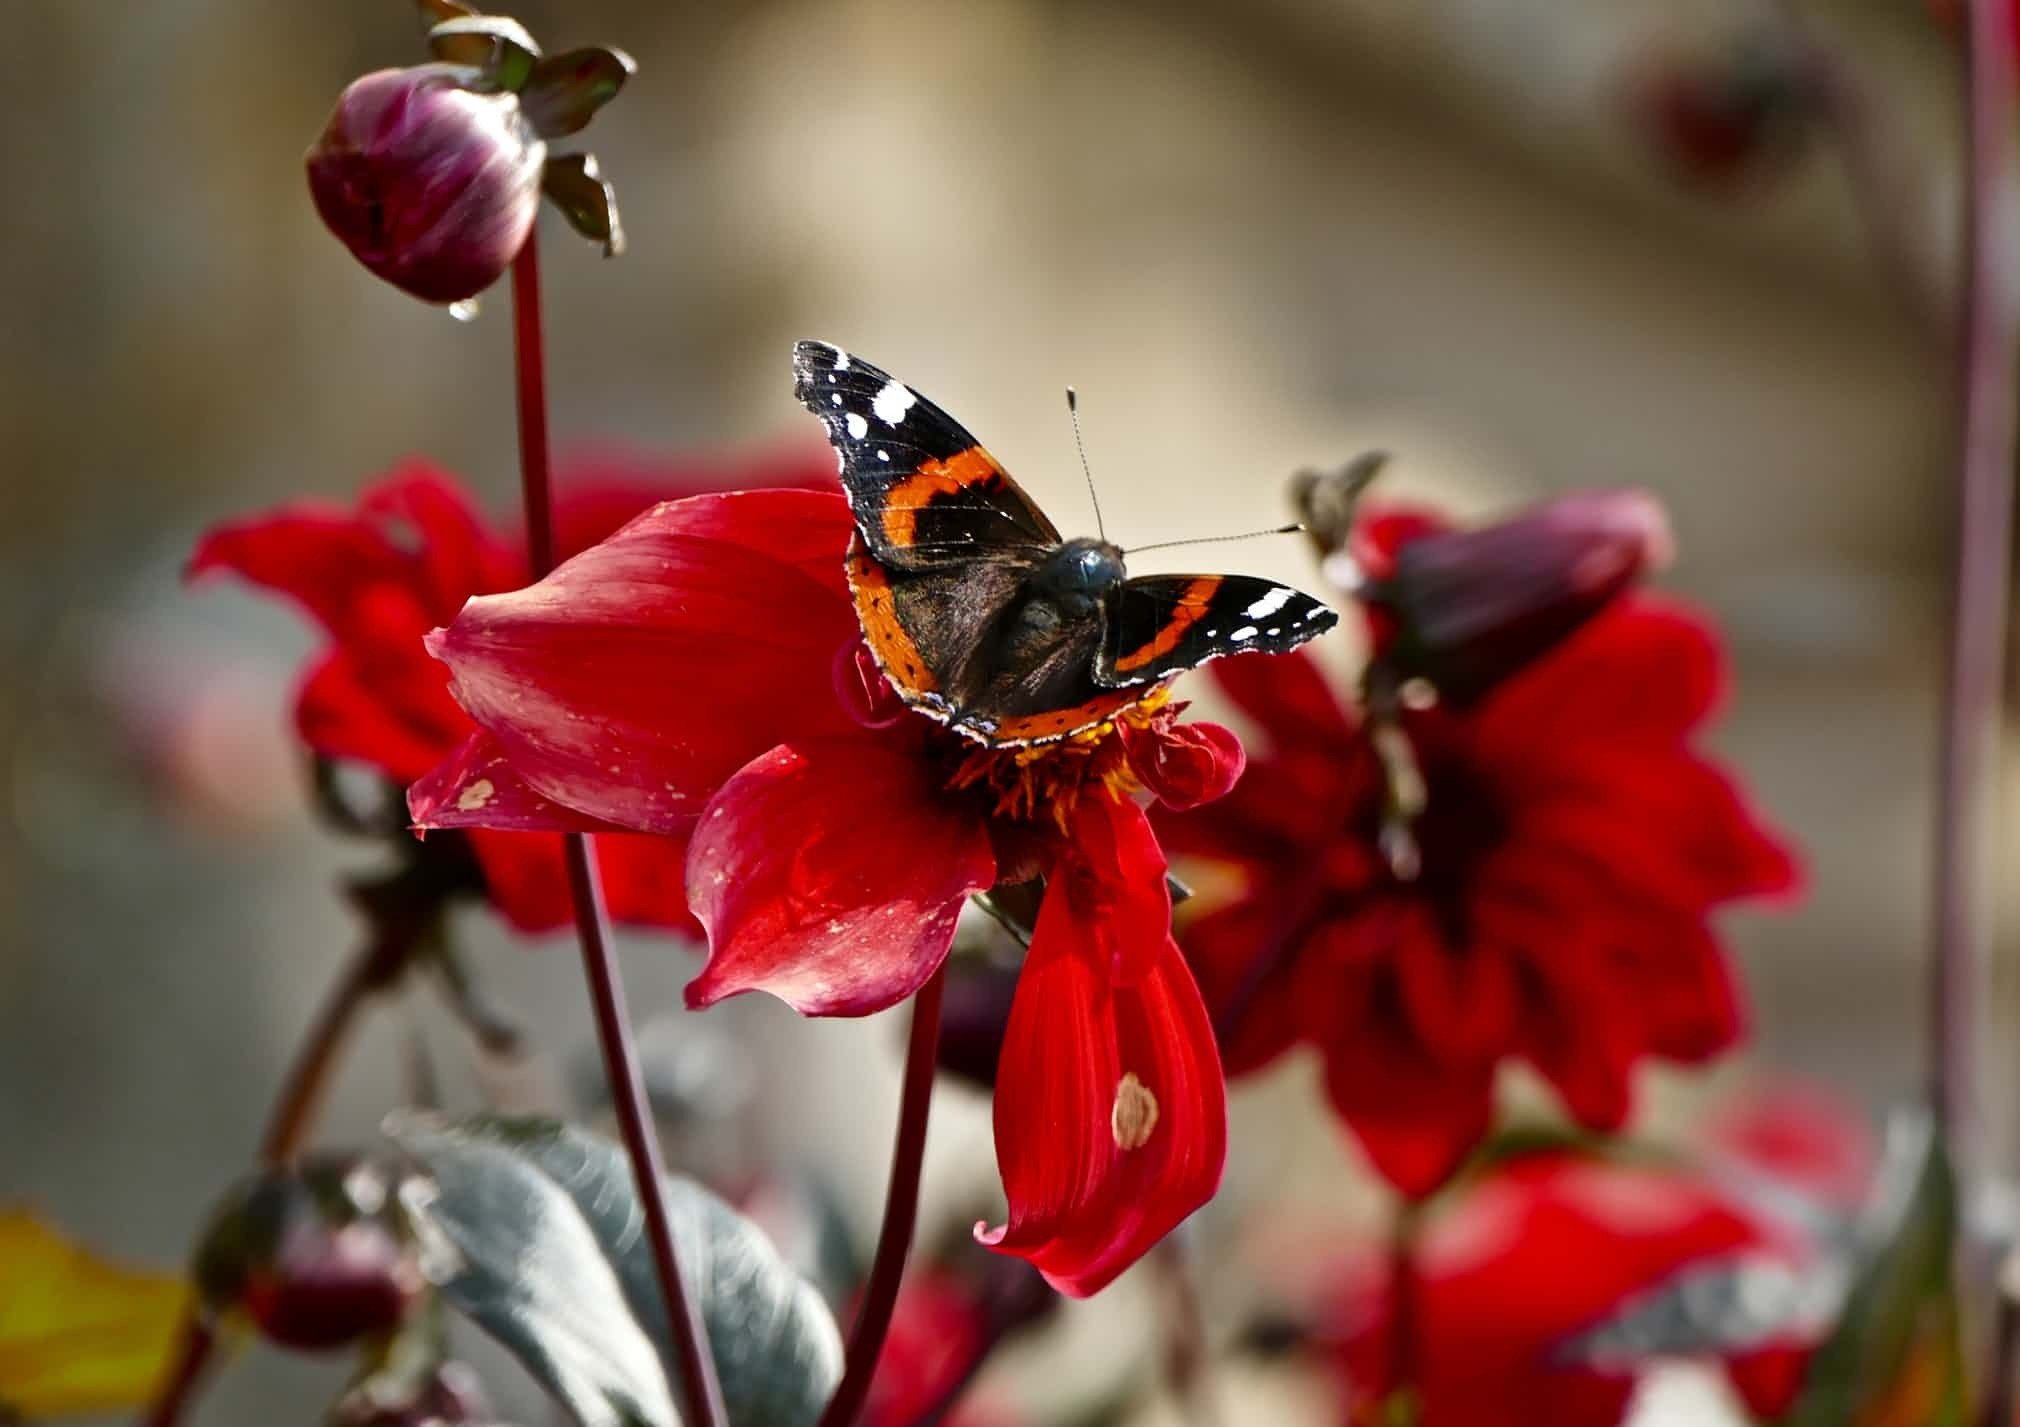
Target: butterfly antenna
<point>1073,410</point>
<point>1293,528</point>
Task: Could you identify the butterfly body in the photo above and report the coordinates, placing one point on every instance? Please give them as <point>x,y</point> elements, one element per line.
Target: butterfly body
<point>979,613</point>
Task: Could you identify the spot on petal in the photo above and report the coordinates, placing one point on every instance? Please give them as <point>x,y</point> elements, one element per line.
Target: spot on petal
<point>1134,1115</point>
<point>475,796</point>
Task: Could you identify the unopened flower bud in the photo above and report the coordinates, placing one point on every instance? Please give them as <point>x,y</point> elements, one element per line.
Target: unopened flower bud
<point>1465,609</point>
<point>432,184</point>
<point>1723,120</point>
<point>320,1256</point>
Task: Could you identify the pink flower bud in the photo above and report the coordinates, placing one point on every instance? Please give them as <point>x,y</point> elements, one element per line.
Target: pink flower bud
<point>433,185</point>
<point>1466,609</point>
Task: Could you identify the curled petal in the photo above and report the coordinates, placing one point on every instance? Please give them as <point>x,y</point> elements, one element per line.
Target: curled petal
<point>1185,765</point>
<point>478,786</point>
<point>830,873</point>
<point>631,682</point>
<point>1111,1116</point>
<point>865,694</point>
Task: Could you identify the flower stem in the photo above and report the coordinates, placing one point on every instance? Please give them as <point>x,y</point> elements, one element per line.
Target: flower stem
<point>1986,432</point>
<point>1185,1351</point>
<point>702,1404</point>
<point>1986,428</point>
<point>901,1210</point>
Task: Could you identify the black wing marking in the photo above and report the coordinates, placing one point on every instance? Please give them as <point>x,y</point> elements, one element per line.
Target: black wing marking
<point>1162,624</point>
<point>924,491</point>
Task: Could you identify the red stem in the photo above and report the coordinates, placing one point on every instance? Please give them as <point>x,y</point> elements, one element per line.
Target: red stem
<point>901,1210</point>
<point>1978,638</point>
<point>1986,422</point>
<point>700,1392</point>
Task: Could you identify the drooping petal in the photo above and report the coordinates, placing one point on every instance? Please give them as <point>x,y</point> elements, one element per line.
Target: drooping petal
<point>478,786</point>
<point>1111,1116</point>
<point>1114,878</point>
<point>1185,765</point>
<point>317,554</point>
<point>830,873</point>
<point>631,682</point>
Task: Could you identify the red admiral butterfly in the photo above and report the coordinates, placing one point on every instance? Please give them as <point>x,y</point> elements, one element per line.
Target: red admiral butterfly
<point>978,613</point>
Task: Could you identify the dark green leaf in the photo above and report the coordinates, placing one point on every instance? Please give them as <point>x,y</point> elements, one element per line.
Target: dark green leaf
<point>520,1192</point>
<point>564,91</point>
<point>1900,1302</point>
<point>586,199</point>
<point>495,44</point>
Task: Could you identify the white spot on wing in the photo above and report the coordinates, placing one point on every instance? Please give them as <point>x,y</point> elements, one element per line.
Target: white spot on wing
<point>841,360</point>
<point>892,403</point>
<point>882,454</point>
<point>835,397</point>
<point>1244,634</point>
<point>1270,603</point>
<point>858,427</point>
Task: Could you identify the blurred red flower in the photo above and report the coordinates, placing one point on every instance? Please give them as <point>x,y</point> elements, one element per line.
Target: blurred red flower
<point>1484,1329</point>
<point>379,577</point>
<point>701,675</point>
<point>1571,845</point>
<point>936,1331</point>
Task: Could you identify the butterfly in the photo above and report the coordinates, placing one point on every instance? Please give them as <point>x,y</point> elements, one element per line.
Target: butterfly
<point>979,614</point>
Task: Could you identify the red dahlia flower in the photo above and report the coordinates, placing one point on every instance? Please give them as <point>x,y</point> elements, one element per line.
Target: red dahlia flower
<point>378,578</point>
<point>1536,1255</point>
<point>1571,846</point>
<point>702,675</point>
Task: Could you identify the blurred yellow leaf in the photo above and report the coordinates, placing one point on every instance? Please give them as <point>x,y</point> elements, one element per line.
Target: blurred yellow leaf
<point>77,1334</point>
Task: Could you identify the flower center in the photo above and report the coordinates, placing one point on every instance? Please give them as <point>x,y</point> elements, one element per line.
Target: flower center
<point>1459,827</point>
<point>1049,778</point>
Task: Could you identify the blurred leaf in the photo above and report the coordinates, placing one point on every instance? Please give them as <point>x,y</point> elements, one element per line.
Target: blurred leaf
<point>1898,1324</point>
<point>564,91</point>
<point>547,1216</point>
<point>77,1334</point>
<point>585,199</point>
<point>1728,1307</point>
<point>508,54</point>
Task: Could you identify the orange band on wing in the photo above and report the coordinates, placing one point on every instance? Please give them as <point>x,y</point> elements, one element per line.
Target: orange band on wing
<point>904,501</point>
<point>1185,613</point>
<point>1055,723</point>
<point>877,612</point>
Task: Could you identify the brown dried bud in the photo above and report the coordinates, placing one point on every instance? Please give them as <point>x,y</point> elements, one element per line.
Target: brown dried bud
<point>432,184</point>
<point>319,1257</point>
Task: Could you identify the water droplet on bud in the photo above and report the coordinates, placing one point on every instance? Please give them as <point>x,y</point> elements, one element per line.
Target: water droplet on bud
<point>465,311</point>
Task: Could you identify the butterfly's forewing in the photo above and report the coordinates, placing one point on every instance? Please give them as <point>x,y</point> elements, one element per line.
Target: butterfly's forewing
<point>1160,625</point>
<point>924,491</point>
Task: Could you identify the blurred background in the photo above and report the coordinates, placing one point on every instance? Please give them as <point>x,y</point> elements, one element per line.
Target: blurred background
<point>1526,245</point>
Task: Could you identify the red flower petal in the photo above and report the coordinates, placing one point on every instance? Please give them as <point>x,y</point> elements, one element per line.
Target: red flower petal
<point>1416,1118</point>
<point>1111,1116</point>
<point>631,682</point>
<point>341,713</point>
<point>454,555</point>
<point>478,786</point>
<point>1646,669</point>
<point>830,873</point>
<point>1289,698</point>
<point>1185,765</point>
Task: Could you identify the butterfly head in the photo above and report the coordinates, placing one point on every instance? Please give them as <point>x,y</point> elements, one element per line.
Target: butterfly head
<point>1079,575</point>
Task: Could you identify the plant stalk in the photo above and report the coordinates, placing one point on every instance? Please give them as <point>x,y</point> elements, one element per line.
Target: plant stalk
<point>701,1393</point>
<point>901,1210</point>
